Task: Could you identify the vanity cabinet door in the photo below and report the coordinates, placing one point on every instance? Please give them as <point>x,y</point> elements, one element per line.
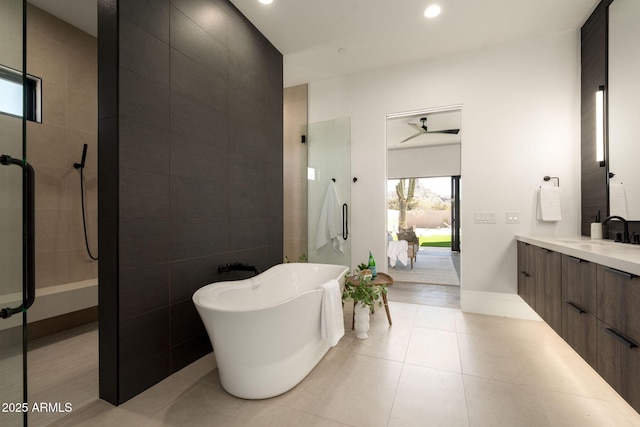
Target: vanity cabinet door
<point>526,273</point>
<point>548,274</point>
<point>579,282</point>
<point>619,363</point>
<point>579,329</point>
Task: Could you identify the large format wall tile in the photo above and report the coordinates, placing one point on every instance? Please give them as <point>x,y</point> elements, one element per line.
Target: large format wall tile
<point>191,176</point>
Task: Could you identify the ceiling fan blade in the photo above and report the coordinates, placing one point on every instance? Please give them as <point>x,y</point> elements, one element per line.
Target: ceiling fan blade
<point>416,127</point>
<point>450,131</point>
<point>411,137</point>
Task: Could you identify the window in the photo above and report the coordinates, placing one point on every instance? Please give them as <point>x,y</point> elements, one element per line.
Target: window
<point>11,94</point>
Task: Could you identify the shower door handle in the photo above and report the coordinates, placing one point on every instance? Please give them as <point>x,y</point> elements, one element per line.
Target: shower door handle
<point>28,207</point>
<point>345,222</point>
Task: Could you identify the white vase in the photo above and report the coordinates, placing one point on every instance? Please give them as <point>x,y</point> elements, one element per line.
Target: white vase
<point>361,320</point>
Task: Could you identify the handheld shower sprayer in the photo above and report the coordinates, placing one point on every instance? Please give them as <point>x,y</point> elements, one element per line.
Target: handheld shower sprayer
<point>84,157</point>
<point>84,220</point>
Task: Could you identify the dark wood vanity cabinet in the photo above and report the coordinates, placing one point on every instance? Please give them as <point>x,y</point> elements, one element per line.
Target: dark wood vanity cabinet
<point>539,282</point>
<point>526,273</point>
<point>579,293</point>
<point>618,333</point>
<point>579,283</point>
<point>548,274</point>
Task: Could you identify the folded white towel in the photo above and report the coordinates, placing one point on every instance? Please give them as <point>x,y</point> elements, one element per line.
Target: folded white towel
<point>617,199</point>
<point>549,204</point>
<point>398,251</point>
<point>331,316</point>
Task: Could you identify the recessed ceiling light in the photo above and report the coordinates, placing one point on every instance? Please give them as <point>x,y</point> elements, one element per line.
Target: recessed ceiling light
<point>432,11</point>
<point>266,1</point>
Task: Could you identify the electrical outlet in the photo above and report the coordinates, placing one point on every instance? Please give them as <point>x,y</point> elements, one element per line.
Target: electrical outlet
<point>513,217</point>
<point>484,217</point>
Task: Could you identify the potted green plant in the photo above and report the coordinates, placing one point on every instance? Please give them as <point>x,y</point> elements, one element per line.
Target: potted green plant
<point>364,292</point>
<point>364,295</point>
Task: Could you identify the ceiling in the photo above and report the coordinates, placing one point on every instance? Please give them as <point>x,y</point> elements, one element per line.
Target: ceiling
<point>328,38</point>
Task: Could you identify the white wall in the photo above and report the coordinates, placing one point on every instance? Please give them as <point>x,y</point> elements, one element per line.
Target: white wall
<point>520,121</point>
<point>423,162</point>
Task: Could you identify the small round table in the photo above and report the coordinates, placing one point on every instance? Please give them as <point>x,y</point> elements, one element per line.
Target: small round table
<point>381,279</point>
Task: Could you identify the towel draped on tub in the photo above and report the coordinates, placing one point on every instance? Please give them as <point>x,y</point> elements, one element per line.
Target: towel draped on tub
<point>331,317</point>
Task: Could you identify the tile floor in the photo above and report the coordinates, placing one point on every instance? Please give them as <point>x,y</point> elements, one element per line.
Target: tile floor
<point>425,294</point>
<point>437,266</point>
<point>434,367</point>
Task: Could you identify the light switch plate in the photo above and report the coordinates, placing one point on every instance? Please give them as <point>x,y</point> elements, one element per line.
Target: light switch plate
<point>513,217</point>
<point>484,217</point>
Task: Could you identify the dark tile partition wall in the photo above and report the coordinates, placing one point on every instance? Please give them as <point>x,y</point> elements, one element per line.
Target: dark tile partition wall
<point>190,136</point>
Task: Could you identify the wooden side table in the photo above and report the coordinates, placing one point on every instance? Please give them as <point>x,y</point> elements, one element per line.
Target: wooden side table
<point>381,279</point>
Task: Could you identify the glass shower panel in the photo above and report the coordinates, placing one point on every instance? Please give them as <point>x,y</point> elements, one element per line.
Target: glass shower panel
<point>329,159</point>
<point>12,351</point>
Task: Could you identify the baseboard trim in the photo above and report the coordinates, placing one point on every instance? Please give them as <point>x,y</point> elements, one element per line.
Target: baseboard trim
<point>496,304</point>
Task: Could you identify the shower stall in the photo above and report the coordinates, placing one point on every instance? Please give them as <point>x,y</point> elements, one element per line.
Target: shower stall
<point>329,170</point>
<point>48,112</point>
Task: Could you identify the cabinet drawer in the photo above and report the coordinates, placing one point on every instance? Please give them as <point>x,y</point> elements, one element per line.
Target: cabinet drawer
<point>619,363</point>
<point>579,282</point>
<point>548,275</point>
<point>579,329</point>
<point>618,295</point>
<point>526,273</point>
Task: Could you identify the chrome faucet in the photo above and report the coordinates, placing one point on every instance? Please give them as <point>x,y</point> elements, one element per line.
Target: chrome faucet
<point>625,235</point>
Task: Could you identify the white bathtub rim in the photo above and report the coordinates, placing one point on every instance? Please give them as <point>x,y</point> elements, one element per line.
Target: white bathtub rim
<point>197,300</point>
<point>201,300</point>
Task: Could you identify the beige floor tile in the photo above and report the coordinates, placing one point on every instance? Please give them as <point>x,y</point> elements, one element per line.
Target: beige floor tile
<point>440,318</point>
<point>270,415</point>
<point>205,405</point>
<point>489,357</point>
<point>204,370</point>
<point>100,414</point>
<point>408,374</point>
<point>506,328</point>
<point>364,395</point>
<point>559,368</point>
<point>429,396</point>
<point>157,398</point>
<point>570,410</point>
<point>434,349</point>
<point>626,410</point>
<point>501,404</point>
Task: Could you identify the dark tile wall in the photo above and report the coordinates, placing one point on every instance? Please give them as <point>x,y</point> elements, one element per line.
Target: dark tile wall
<point>190,136</point>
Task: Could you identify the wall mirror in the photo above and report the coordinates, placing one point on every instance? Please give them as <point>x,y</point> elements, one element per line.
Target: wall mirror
<point>624,108</point>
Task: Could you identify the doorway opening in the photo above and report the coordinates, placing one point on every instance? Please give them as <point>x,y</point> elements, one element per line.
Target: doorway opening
<point>422,211</point>
<point>423,202</point>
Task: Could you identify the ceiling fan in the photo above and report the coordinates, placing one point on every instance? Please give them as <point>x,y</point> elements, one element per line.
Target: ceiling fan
<point>423,129</point>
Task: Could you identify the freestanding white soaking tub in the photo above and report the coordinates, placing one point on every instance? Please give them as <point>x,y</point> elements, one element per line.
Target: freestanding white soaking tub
<point>266,331</point>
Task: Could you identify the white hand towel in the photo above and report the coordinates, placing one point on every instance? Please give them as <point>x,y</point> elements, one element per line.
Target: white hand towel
<point>617,199</point>
<point>330,224</point>
<point>398,251</point>
<point>549,204</point>
<point>331,316</point>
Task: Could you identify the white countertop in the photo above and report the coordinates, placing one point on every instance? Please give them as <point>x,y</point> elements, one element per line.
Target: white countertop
<point>621,256</point>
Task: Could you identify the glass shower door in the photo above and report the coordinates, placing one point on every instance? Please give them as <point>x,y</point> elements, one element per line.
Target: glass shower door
<point>329,192</point>
<point>14,178</point>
